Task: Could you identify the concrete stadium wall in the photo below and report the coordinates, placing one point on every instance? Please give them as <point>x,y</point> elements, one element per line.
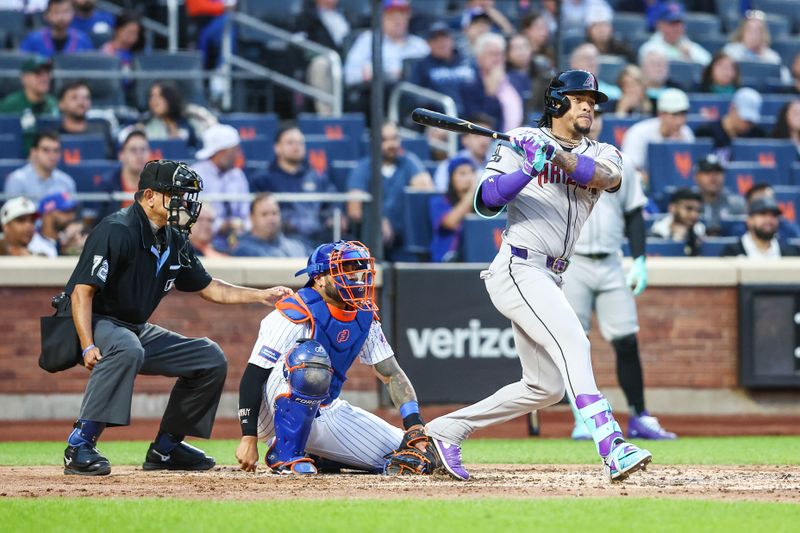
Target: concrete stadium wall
<point>688,338</point>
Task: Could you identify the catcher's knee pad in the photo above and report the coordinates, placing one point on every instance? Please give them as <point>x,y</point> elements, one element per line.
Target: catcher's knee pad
<point>308,371</point>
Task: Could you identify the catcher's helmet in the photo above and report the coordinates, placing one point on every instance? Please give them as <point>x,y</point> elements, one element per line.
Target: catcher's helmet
<point>352,269</point>
<point>556,102</point>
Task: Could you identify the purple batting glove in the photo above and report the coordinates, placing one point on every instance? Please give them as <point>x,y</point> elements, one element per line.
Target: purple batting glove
<point>536,151</point>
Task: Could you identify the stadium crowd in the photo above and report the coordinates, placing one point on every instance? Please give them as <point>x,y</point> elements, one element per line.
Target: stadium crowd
<point>704,100</point>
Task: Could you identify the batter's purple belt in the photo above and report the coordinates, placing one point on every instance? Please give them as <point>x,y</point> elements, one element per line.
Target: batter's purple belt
<point>555,264</point>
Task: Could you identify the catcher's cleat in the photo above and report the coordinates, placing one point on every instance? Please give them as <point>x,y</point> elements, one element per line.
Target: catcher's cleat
<point>183,457</point>
<point>85,460</point>
<point>625,458</point>
<point>450,455</point>
<point>648,427</point>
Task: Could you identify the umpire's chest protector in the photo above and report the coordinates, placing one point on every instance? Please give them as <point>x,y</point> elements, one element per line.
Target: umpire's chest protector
<point>341,333</point>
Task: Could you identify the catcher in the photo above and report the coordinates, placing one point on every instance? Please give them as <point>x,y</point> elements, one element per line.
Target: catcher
<point>289,393</point>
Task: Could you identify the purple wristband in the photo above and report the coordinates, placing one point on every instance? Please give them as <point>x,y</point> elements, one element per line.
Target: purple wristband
<point>584,170</point>
<point>498,190</point>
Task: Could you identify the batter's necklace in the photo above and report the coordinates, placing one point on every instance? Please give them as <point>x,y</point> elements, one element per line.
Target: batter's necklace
<point>564,141</point>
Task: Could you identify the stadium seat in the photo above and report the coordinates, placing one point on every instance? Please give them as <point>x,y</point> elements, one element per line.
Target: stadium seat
<point>614,128</point>
<point>350,125</point>
<point>773,103</point>
<point>339,172</point>
<point>664,248</point>
<point>685,75</point>
<point>795,174</point>
<point>713,246</point>
<point>10,124</point>
<point>740,176</point>
<point>75,149</point>
<point>779,26</point>
<point>610,67</point>
<point>357,12</point>
<point>788,199</point>
<point>712,43</point>
<point>481,238</point>
<point>627,25</point>
<point>671,164</point>
<point>787,9</point>
<point>170,149</point>
<point>733,226</point>
<point>570,42</point>
<point>258,148</point>
<point>281,13</point>
<point>106,91</point>
<point>710,106</point>
<point>90,173</point>
<point>13,26</point>
<point>7,166</point>
<point>436,8</point>
<point>787,48</point>
<point>252,125</point>
<point>11,146</point>
<point>417,221</point>
<point>321,152</point>
<point>767,152</point>
<point>186,63</point>
<point>12,61</point>
<point>701,25</point>
<point>418,146</point>
<point>759,75</point>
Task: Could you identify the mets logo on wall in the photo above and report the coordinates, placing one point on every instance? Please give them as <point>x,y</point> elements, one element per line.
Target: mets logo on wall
<point>342,336</point>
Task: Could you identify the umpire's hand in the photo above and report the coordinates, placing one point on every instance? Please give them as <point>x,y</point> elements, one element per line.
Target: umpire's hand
<point>91,357</point>
<point>271,296</point>
<point>247,453</point>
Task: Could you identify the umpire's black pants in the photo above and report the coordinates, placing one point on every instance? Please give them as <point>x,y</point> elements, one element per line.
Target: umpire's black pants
<point>127,350</point>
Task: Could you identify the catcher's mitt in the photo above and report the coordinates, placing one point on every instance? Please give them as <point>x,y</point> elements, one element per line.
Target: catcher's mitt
<point>416,455</point>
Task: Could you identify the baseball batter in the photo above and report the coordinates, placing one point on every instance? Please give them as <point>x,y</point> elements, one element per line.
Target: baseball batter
<point>549,177</point>
<point>289,393</point>
<point>596,280</point>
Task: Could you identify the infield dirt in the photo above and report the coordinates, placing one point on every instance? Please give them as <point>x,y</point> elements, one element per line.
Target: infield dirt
<point>762,483</point>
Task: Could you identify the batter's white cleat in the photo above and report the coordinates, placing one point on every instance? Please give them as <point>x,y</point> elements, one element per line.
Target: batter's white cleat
<point>625,458</point>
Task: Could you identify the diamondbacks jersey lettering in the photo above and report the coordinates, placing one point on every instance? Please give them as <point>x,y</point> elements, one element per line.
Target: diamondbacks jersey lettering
<point>547,215</point>
<point>604,230</point>
<point>277,335</point>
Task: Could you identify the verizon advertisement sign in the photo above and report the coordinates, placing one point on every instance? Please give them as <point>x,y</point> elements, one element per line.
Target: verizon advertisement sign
<point>448,337</point>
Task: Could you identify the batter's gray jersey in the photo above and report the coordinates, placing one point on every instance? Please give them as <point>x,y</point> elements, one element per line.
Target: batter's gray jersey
<point>604,231</point>
<point>547,215</point>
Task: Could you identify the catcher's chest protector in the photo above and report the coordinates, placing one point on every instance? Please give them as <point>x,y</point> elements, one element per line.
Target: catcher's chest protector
<point>342,336</point>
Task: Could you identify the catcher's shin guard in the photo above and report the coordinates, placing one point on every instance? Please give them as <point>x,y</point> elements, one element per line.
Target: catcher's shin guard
<point>308,372</point>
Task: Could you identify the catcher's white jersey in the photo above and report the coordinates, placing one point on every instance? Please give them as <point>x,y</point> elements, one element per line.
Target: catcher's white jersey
<point>604,231</point>
<point>547,215</point>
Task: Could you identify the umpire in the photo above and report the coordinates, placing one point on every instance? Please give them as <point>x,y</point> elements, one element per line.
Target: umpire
<point>131,260</point>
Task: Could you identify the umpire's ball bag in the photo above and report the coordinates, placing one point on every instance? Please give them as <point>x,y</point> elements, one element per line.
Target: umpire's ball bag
<point>61,348</point>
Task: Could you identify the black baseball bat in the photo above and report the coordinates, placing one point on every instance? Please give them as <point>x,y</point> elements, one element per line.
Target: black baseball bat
<point>426,117</point>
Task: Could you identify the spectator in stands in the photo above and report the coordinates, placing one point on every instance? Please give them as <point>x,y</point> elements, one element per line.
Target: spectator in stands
<point>324,23</point>
<point>655,71</point>
<point>670,38</point>
<point>166,118</point>
<point>290,172</point>
<point>787,125</point>
<point>444,69</point>
<point>587,57</point>
<point>56,212</point>
<point>399,170</point>
<point>18,219</point>
<point>600,33</point>
<point>265,238</point>
<point>95,23</point>
<point>794,83</point>
<point>40,176</point>
<point>134,153</point>
<point>216,164</point>
<point>761,240</point>
<point>633,99</point>
<point>787,229</point>
<point>499,22</point>
<point>682,223</point>
<point>475,24</point>
<point>536,29</point>
<point>670,124</point>
<point>751,40</point>
<point>447,211</point>
<point>575,12</point>
<point>740,122</point>
<point>718,201</point>
<point>210,17</point>
<point>126,40</point>
<point>74,102</point>
<point>34,99</point>
<point>202,235</point>
<point>721,76</point>
<point>398,45</point>
<point>492,92</point>
<point>58,38</point>
<point>520,66</point>
<point>476,150</point>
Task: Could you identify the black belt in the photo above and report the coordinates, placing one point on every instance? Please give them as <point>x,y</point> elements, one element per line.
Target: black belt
<point>596,257</point>
<point>556,264</point>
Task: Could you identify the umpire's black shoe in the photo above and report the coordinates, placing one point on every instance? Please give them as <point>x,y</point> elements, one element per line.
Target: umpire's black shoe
<point>85,460</point>
<point>183,457</point>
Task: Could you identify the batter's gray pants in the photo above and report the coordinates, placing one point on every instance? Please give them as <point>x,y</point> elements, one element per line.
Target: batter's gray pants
<point>199,365</point>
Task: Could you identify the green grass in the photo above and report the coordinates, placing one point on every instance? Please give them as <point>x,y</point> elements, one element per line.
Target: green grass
<point>698,450</point>
<point>88,515</point>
